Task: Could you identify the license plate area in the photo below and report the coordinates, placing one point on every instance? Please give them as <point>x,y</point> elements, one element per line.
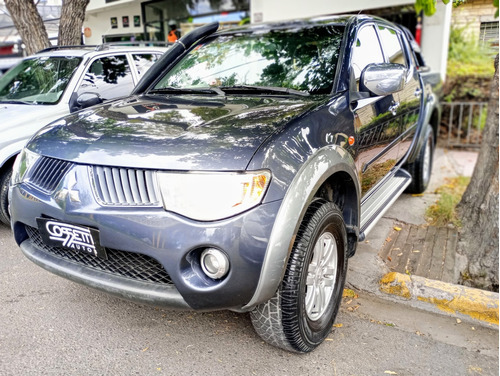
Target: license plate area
<point>72,237</point>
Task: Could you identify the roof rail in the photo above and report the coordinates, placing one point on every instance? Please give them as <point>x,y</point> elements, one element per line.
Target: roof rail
<point>106,46</point>
<point>140,43</point>
<point>54,48</point>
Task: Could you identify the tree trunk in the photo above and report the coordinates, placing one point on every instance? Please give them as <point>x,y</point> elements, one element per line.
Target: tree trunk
<point>29,24</point>
<point>70,26</point>
<point>477,257</point>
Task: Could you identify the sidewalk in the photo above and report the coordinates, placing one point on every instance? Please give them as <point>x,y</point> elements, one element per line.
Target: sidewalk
<point>403,259</point>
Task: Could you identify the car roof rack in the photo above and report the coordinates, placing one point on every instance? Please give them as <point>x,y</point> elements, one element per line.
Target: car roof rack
<point>55,48</point>
<point>139,43</point>
<point>109,45</point>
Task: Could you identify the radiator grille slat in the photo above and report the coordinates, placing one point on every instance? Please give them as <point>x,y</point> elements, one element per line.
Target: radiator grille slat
<point>150,186</point>
<point>125,186</point>
<point>48,172</point>
<point>142,186</point>
<point>118,185</point>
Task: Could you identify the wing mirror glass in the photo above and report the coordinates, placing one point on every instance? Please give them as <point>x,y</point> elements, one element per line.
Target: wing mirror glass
<point>383,79</point>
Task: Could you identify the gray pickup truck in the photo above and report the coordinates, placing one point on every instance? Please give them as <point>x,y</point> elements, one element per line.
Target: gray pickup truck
<point>240,174</point>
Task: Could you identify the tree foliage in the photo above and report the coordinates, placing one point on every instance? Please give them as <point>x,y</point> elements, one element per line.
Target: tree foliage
<point>429,6</point>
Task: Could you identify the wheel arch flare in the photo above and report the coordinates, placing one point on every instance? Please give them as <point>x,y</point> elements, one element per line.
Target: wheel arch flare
<point>327,170</point>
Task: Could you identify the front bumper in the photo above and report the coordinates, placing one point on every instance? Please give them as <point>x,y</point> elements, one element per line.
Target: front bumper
<point>141,292</point>
<point>169,239</point>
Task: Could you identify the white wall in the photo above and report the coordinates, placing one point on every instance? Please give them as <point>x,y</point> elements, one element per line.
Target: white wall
<point>275,10</point>
<point>435,38</point>
<point>100,22</point>
<point>98,5</point>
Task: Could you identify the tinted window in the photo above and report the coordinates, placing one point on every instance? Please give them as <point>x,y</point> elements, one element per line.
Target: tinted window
<point>39,80</point>
<point>109,77</point>
<point>144,61</point>
<point>392,45</point>
<point>366,50</point>
<point>303,59</point>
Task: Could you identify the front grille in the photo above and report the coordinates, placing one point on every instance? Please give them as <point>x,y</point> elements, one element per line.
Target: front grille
<point>125,264</point>
<point>125,186</point>
<point>48,172</point>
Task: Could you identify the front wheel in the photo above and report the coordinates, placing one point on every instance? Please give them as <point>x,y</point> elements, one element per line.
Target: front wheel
<point>4,194</point>
<point>301,314</point>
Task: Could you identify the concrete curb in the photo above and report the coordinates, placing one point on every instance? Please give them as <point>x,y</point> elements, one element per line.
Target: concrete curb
<point>459,301</point>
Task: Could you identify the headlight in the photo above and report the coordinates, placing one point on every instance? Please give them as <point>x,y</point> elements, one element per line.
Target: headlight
<point>209,196</point>
<point>24,161</point>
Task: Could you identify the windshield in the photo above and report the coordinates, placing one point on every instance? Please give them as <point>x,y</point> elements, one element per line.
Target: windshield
<point>40,80</point>
<point>301,59</point>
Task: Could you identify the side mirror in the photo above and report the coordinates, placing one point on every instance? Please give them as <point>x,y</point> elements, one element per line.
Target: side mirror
<point>383,79</point>
<point>88,99</point>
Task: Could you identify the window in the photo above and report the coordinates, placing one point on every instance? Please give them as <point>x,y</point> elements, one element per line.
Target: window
<point>365,51</point>
<point>488,34</point>
<point>109,77</point>
<point>39,80</point>
<point>392,45</point>
<point>144,61</point>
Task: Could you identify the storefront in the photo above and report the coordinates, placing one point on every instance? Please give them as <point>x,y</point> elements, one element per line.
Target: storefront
<point>157,20</point>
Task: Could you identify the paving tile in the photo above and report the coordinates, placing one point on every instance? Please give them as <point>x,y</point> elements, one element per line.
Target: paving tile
<point>425,251</point>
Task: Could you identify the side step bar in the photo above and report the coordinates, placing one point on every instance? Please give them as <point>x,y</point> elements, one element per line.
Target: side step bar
<point>374,207</point>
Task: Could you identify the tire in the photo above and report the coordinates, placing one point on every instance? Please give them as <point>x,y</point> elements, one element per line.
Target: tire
<point>420,170</point>
<point>4,196</point>
<point>300,315</point>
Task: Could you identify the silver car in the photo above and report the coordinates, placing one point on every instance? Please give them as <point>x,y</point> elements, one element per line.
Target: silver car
<point>56,82</point>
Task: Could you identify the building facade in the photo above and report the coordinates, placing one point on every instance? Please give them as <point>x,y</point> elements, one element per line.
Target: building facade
<point>477,18</point>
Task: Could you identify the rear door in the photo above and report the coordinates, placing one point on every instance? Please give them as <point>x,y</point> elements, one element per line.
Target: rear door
<point>143,61</point>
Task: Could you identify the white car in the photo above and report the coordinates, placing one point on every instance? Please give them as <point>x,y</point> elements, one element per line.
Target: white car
<point>56,82</point>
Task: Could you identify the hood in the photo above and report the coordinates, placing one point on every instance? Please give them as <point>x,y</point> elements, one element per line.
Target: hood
<point>18,122</point>
<point>14,114</point>
<point>170,132</point>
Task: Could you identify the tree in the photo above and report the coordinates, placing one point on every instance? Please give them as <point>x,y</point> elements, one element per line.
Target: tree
<point>478,209</point>
<point>70,26</point>
<point>29,23</point>
<point>478,248</point>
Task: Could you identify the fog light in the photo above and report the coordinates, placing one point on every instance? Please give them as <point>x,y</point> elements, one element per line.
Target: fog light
<point>214,263</point>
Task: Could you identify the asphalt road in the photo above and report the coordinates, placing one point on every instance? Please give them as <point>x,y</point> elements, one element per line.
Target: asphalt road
<point>51,326</point>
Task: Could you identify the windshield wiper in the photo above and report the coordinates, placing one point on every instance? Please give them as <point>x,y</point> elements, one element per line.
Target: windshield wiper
<point>264,89</point>
<point>188,90</point>
<point>9,101</point>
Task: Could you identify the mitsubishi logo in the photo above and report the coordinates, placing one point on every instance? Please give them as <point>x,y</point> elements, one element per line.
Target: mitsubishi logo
<point>73,194</point>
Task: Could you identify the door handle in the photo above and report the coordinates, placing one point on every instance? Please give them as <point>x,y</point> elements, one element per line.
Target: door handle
<point>394,108</point>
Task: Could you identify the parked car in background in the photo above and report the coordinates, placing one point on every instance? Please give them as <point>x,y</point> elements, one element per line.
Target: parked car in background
<point>56,82</point>
<point>239,175</point>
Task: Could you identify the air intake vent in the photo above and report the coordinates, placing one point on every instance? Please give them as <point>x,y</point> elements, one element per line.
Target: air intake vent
<point>131,265</point>
<point>125,186</point>
<point>48,172</point>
